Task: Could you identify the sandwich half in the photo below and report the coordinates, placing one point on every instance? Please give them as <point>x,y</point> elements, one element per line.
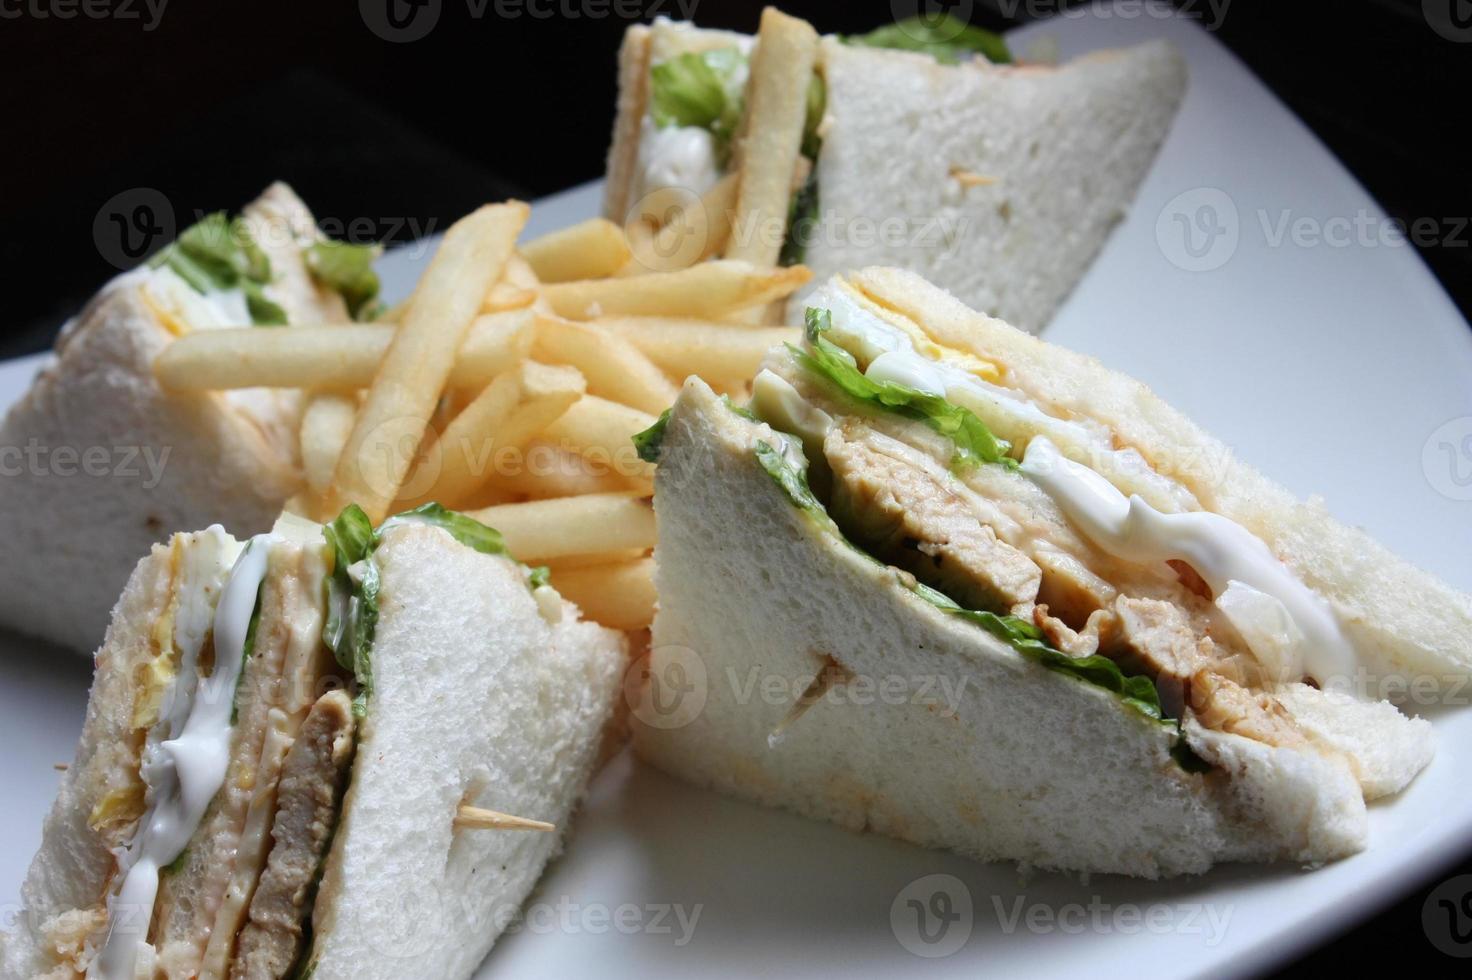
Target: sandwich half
<point>922,146</point>
<point>281,738</point>
<point>949,583</point>
<point>107,463</point>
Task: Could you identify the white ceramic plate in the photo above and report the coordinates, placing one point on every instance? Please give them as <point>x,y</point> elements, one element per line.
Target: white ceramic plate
<point>1340,369</point>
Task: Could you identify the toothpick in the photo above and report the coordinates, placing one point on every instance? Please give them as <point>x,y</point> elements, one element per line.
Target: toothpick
<point>832,672</point>
<point>474,818</point>
<point>967,178</point>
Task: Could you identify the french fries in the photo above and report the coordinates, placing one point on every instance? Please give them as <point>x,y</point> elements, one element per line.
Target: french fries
<point>593,524</point>
<point>709,290</point>
<point>508,413</point>
<point>711,350</point>
<point>614,367</point>
<point>511,383</point>
<point>327,422</point>
<point>771,141</point>
<point>417,365</point>
<point>336,356</point>
<point>619,594</point>
<point>603,431</point>
<point>593,249</point>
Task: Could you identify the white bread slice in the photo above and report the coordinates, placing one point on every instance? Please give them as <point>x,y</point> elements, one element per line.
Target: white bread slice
<point>477,699</point>
<point>167,460</point>
<point>982,752</point>
<point>63,893</point>
<point>1406,622</point>
<point>623,148</point>
<point>1066,149</point>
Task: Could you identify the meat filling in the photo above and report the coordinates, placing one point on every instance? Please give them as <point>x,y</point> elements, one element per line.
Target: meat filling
<point>308,797</point>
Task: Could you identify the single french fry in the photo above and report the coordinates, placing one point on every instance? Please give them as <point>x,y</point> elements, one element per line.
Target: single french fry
<point>709,290</point>
<point>607,558</point>
<point>698,232</point>
<point>508,413</point>
<point>771,140</point>
<point>591,249</point>
<point>449,470</point>
<point>604,431</point>
<point>614,367</point>
<point>417,365</point>
<point>520,274</point>
<point>334,356</point>
<point>541,529</point>
<point>504,296</point>
<point>620,595</point>
<point>327,421</point>
<point>711,350</point>
<point>543,470</point>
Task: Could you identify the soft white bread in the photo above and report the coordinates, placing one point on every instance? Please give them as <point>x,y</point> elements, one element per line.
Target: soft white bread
<point>1059,152</point>
<point>479,700</point>
<point>623,148</point>
<point>101,795</point>
<point>973,748</point>
<point>111,463</point>
<point>1405,622</point>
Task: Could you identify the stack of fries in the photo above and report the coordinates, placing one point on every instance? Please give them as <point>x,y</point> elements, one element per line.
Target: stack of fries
<point>509,386</point>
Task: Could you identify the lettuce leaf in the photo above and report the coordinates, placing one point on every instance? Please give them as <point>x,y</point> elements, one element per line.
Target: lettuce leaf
<point>348,269</point>
<point>946,38</point>
<point>802,221</point>
<point>217,254</point>
<point>467,530</point>
<point>648,443</point>
<point>974,442</point>
<point>699,88</point>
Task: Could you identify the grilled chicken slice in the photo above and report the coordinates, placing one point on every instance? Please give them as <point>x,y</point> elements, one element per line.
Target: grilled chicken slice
<point>307,799</point>
<point>1222,704</point>
<point>909,512</point>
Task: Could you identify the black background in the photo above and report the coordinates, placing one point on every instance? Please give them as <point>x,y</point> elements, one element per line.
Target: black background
<point>397,139</point>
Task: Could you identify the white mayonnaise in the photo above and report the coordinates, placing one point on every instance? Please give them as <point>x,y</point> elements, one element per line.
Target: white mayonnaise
<point>189,767</point>
<point>1224,553</point>
<point>891,355</point>
<point>677,156</point>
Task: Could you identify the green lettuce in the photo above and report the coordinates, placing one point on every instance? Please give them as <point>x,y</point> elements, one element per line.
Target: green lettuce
<point>699,88</point>
<point>217,254</point>
<point>974,442</point>
<point>802,221</point>
<point>946,38</point>
<point>648,443</point>
<point>348,269</point>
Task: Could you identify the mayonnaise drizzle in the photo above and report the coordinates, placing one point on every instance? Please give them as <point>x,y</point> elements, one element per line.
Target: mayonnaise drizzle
<point>1221,551</point>
<point>188,769</point>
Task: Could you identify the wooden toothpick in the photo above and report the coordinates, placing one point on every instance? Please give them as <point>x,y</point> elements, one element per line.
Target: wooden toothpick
<point>475,818</point>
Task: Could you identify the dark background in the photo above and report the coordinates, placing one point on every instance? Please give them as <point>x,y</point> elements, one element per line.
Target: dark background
<point>212,99</point>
